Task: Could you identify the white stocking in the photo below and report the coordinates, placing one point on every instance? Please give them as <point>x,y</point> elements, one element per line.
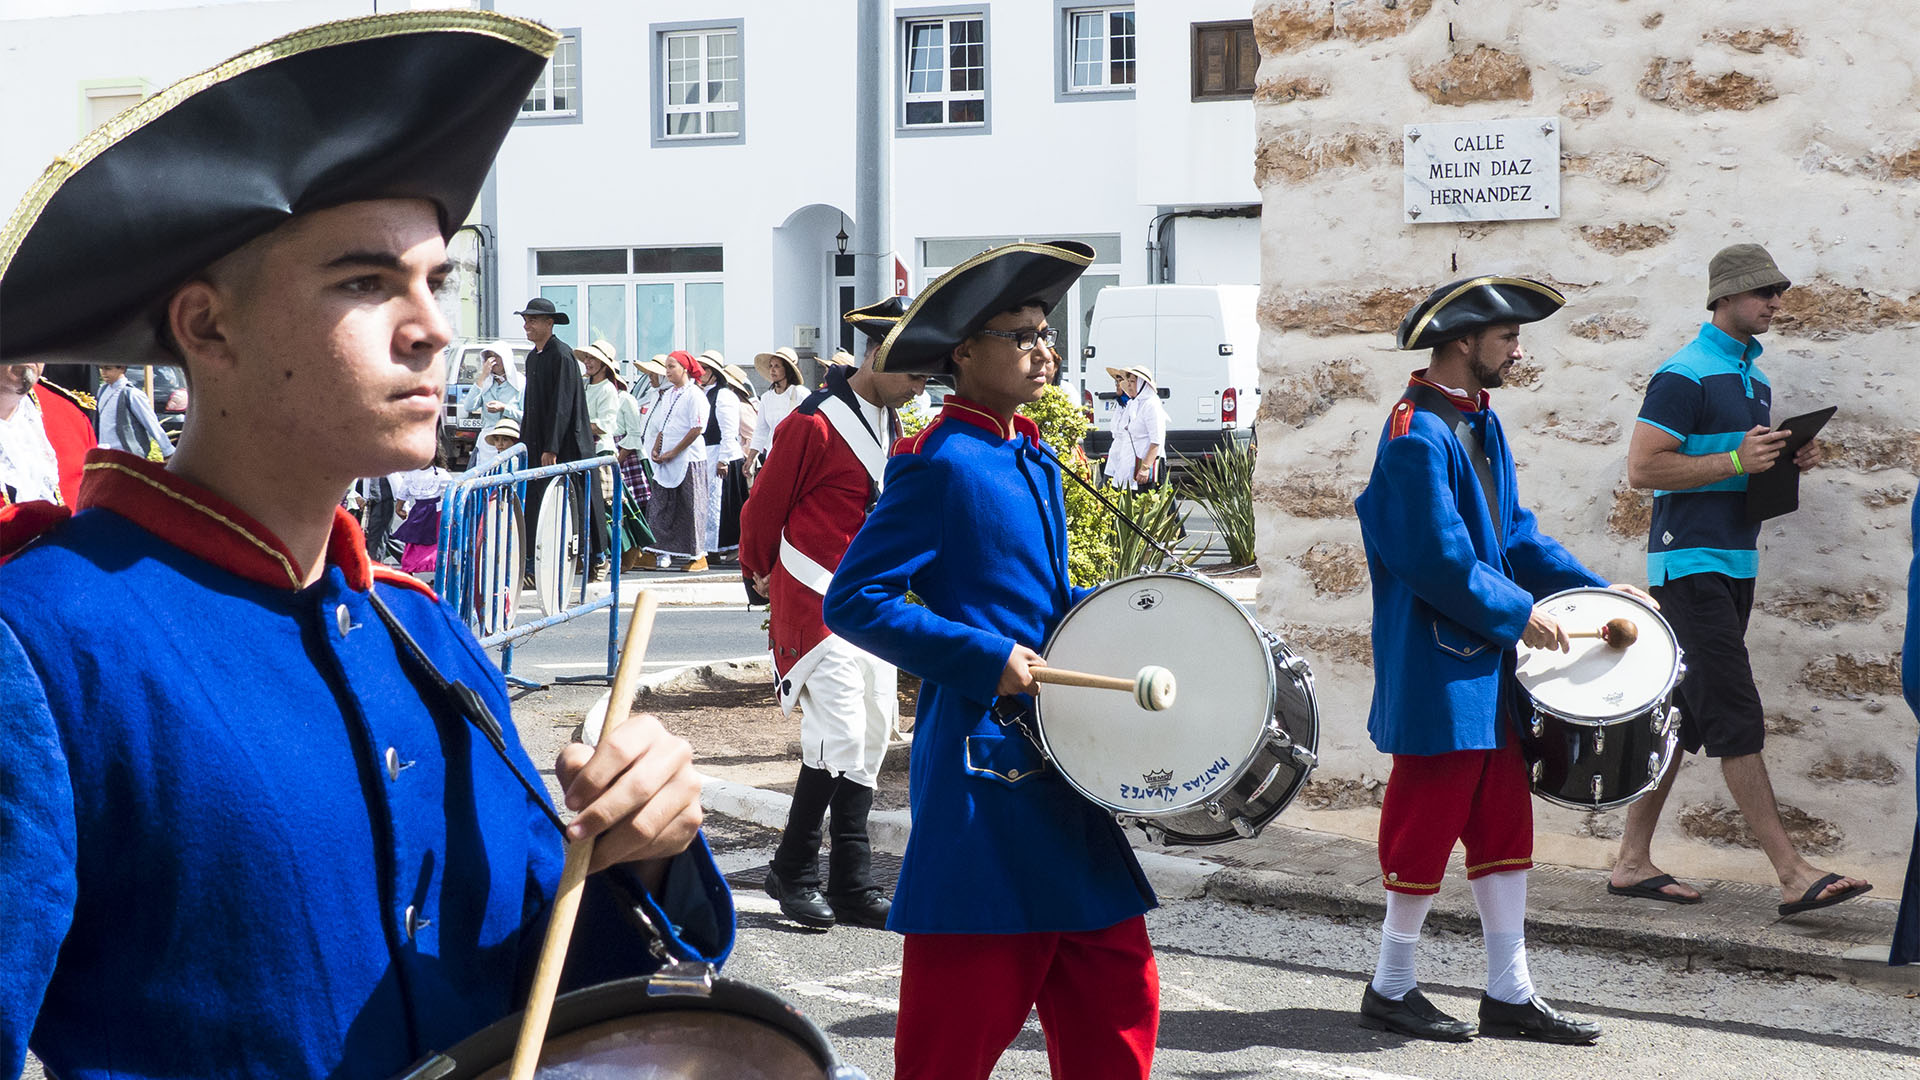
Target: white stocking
<point>1393,976</point>
<point>1502,899</point>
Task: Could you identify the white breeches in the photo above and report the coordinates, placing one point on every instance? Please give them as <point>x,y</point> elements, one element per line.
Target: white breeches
<point>849,706</point>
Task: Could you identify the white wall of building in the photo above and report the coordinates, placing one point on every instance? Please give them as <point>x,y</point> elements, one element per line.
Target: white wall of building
<point>1190,153</point>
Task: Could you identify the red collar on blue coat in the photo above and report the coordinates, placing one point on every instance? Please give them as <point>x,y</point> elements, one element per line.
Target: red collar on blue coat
<point>959,408</point>
<point>202,524</point>
<point>1464,404</point>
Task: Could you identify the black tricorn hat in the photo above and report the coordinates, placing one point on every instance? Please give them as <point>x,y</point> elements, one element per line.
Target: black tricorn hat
<point>540,305</point>
<point>877,319</point>
<point>1453,311</point>
<point>377,107</point>
<point>957,303</point>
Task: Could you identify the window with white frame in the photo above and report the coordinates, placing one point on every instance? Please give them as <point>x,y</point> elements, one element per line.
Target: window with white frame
<point>702,84</point>
<point>557,92</point>
<point>1101,48</point>
<point>946,71</point>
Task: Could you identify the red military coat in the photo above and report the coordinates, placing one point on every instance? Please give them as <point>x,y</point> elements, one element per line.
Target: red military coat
<point>68,430</point>
<point>821,477</point>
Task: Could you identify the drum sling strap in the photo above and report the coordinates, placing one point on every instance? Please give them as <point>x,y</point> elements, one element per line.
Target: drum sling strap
<point>677,975</point>
<point>462,699</point>
<point>1435,402</point>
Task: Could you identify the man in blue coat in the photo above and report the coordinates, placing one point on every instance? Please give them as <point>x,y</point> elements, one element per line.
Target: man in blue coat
<point>1015,891</point>
<point>252,819</point>
<point>1457,565</point>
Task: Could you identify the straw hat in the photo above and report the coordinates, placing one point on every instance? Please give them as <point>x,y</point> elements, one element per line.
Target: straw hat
<point>507,426</point>
<point>1121,373</point>
<point>593,352</point>
<point>735,378</point>
<point>842,358</point>
<point>655,366</point>
<point>763,363</point>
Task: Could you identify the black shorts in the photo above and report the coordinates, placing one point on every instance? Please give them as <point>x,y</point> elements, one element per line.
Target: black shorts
<point>1719,705</point>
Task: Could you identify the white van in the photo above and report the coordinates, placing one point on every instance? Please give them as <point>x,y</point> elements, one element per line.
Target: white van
<point>1201,343</point>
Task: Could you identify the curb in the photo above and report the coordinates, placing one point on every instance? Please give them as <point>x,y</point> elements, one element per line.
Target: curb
<point>1182,877</point>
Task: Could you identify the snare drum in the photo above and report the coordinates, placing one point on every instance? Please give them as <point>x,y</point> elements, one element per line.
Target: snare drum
<point>655,1029</point>
<point>1602,729</point>
<point>1237,743</point>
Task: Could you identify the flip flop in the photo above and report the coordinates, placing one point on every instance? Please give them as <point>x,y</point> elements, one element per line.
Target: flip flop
<point>1807,901</point>
<point>1650,890</point>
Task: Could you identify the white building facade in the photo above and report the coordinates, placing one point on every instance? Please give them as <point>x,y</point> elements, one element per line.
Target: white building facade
<point>682,172</point>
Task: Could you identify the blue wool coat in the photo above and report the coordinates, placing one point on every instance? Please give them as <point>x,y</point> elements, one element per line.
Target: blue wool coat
<point>215,866</point>
<point>1449,602</point>
<point>972,520</point>
<point>1906,931</point>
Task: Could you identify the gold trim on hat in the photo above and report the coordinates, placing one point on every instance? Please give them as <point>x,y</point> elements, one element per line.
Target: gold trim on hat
<point>1474,283</point>
<point>531,36</point>
<point>886,344</point>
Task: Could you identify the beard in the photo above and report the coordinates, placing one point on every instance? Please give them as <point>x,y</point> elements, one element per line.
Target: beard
<point>1488,375</point>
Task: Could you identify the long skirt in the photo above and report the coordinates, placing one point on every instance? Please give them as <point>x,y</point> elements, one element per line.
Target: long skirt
<point>678,515</point>
<point>733,496</point>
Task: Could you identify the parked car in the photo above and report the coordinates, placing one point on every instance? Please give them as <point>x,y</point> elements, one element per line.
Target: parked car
<point>457,434</point>
<point>170,396</point>
<point>1201,344</point>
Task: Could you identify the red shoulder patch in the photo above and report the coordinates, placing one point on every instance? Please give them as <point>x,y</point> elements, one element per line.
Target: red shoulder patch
<point>1402,418</point>
<point>387,574</point>
<point>23,523</point>
<point>912,443</point>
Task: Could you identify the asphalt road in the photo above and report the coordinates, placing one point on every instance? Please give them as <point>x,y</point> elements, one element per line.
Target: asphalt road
<point>681,635</point>
<point>1251,992</point>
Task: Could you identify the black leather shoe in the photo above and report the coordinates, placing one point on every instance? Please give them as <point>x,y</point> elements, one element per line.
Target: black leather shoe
<point>1534,1019</point>
<point>803,904</point>
<point>1413,1016</point>
<point>867,907</point>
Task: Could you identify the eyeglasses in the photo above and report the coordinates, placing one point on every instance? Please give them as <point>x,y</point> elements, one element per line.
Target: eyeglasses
<point>1027,340</point>
<point>1768,292</point>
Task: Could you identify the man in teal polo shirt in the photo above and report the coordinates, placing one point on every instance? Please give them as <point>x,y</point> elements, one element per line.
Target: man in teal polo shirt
<point>1704,428</point>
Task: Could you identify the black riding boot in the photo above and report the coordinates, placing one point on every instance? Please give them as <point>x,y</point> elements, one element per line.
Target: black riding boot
<point>793,878</point>
<point>851,892</point>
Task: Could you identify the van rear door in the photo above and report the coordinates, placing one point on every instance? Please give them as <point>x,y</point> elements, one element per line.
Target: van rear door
<point>1122,341</point>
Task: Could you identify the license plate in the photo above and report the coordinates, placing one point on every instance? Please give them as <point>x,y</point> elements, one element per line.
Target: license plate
<point>472,425</point>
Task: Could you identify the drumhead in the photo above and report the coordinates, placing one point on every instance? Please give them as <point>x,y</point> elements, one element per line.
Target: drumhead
<point>1139,762</point>
<point>1595,681</point>
<point>621,1030</point>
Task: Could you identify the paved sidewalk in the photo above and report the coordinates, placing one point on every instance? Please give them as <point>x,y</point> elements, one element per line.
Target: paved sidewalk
<point>1306,870</point>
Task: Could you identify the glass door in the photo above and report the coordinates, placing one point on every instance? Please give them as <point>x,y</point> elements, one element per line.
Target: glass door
<point>566,300</point>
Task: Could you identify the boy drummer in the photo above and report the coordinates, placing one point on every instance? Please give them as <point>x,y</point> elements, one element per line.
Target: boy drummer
<point>1014,890</point>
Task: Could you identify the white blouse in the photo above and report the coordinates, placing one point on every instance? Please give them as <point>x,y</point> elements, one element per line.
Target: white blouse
<point>775,406</point>
<point>682,409</point>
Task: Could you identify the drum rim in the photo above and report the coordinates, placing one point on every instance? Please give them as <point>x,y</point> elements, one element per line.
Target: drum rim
<point>606,1001</point>
<point>1246,756</point>
<point>1665,697</point>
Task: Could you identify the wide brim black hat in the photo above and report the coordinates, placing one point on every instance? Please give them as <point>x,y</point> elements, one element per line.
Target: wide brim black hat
<point>411,105</point>
<point>959,302</point>
<point>876,320</point>
<point>542,306</point>
<point>1455,310</point>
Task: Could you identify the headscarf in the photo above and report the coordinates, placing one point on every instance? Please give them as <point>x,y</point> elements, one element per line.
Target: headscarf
<point>687,364</point>
<point>514,377</point>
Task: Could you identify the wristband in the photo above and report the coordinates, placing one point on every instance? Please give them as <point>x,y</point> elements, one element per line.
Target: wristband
<point>1738,470</point>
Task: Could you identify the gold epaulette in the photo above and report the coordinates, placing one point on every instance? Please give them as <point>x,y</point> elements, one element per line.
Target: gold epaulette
<point>78,397</point>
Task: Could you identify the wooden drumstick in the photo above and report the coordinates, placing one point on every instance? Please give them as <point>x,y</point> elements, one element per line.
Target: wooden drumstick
<point>1152,688</point>
<point>566,900</point>
<point>1618,633</point>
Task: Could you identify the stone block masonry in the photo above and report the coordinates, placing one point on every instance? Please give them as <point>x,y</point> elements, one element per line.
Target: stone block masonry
<point>1684,128</point>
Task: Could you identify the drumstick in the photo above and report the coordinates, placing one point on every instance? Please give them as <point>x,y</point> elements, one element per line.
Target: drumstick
<point>566,901</point>
<point>1618,633</point>
<point>1152,688</point>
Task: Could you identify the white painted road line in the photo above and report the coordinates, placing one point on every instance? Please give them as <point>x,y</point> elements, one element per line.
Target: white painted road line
<point>834,988</point>
<point>1330,1071</point>
<point>597,665</point>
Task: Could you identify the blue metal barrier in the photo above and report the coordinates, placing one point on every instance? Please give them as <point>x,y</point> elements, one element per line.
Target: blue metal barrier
<point>482,530</point>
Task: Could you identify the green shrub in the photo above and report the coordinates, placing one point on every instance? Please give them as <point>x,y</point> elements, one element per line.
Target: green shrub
<point>1157,511</point>
<point>1223,483</point>
<point>1090,552</point>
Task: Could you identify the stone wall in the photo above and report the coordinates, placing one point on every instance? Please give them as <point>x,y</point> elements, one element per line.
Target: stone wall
<point>1684,128</point>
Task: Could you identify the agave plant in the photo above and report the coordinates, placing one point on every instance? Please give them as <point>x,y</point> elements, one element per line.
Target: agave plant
<point>1223,483</point>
